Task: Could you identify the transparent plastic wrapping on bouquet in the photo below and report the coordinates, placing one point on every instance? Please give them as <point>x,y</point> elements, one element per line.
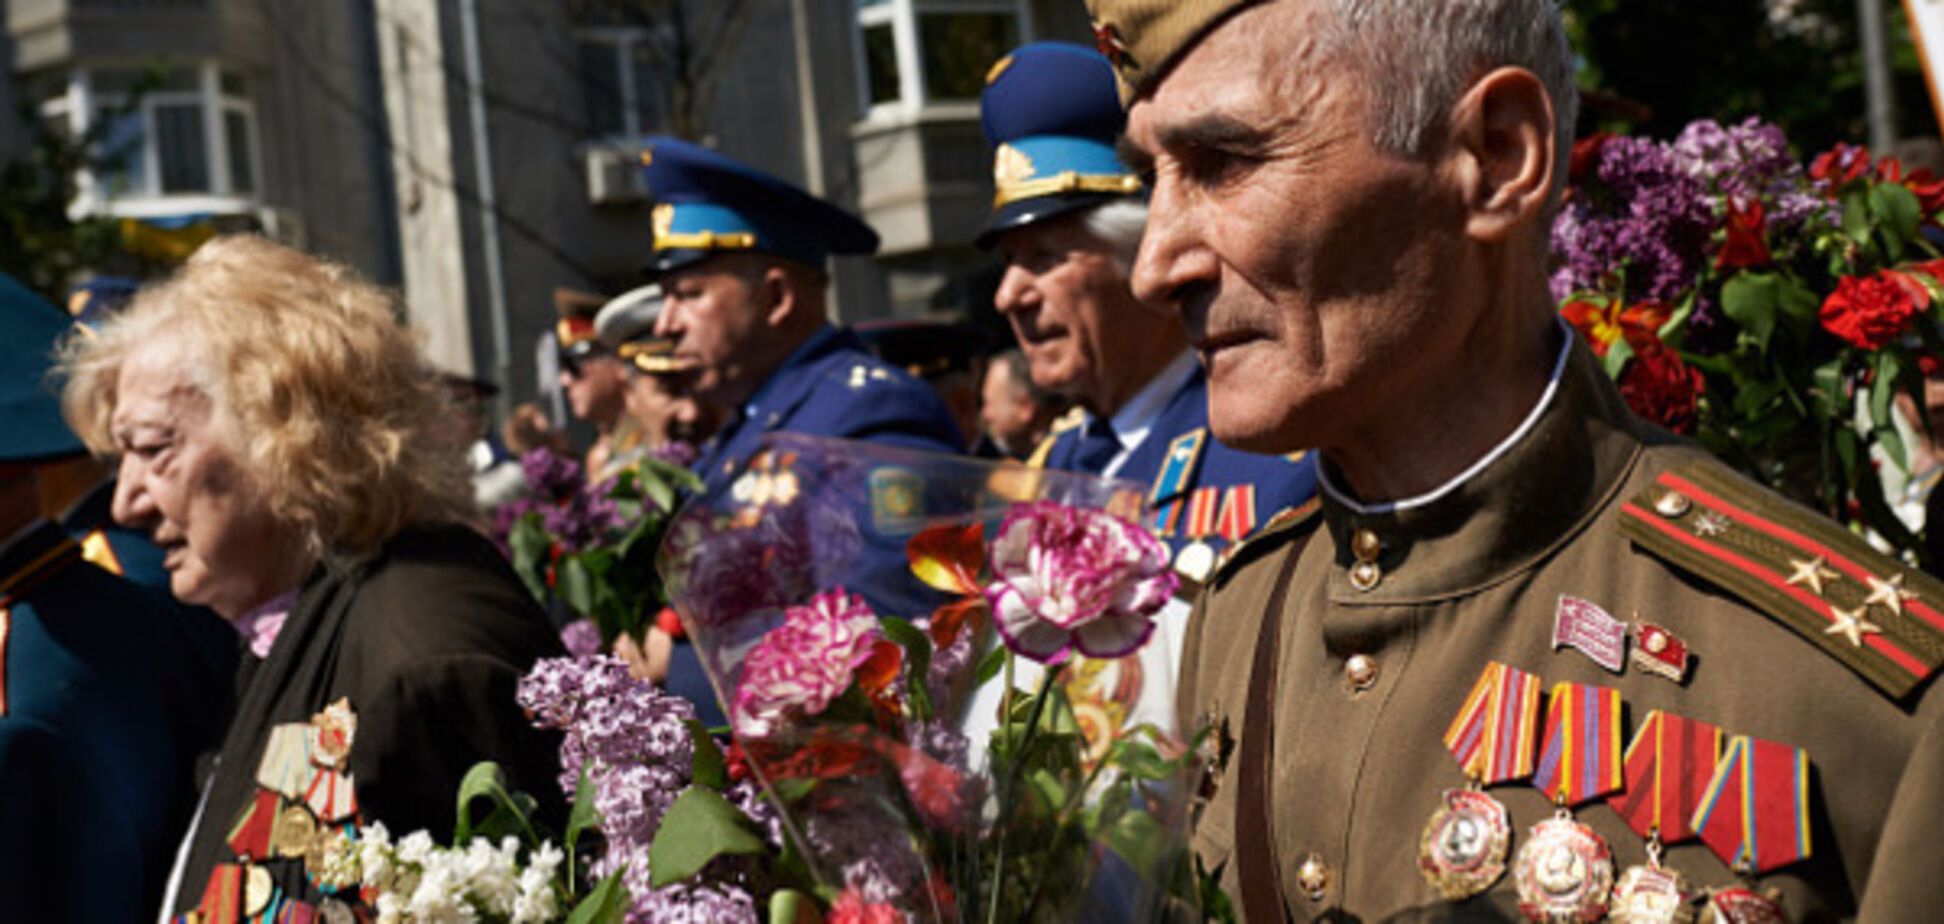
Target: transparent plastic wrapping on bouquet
<point>834,593</point>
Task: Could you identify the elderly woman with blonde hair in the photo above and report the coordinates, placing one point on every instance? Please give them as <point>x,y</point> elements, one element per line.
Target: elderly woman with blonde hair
<point>285,442</point>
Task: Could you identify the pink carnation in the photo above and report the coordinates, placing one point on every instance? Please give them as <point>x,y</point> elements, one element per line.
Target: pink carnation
<point>803,664</point>
<point>1069,578</point>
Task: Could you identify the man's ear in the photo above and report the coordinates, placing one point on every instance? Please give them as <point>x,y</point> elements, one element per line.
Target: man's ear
<point>778,295</point>
<point>1501,141</point>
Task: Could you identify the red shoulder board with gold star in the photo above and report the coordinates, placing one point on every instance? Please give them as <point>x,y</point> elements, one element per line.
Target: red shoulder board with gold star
<point>1882,618</point>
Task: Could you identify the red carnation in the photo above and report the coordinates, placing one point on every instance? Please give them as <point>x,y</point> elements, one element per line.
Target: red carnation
<point>851,908</point>
<point>1923,184</point>
<point>1840,165</point>
<point>1662,389</point>
<point>1872,311</point>
<point>1745,246</point>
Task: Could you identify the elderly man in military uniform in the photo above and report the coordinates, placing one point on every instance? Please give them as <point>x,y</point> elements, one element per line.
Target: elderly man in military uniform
<point>595,382</point>
<point>105,696</point>
<point>1534,659</point>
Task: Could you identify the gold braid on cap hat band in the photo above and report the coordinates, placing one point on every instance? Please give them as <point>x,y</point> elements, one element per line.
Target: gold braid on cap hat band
<point>705,240</point>
<point>652,357</point>
<point>1066,182</point>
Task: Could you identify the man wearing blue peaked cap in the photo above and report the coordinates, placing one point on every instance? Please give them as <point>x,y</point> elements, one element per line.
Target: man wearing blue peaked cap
<point>1067,219</point>
<point>103,701</point>
<point>741,258</point>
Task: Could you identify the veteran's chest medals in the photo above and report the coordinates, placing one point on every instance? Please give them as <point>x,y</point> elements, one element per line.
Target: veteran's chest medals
<point>1754,816</point>
<point>1564,872</point>
<point>1462,849</point>
<point>1744,906</point>
<point>1666,770</point>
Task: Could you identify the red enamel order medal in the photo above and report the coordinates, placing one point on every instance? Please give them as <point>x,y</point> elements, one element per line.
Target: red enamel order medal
<point>1462,849</point>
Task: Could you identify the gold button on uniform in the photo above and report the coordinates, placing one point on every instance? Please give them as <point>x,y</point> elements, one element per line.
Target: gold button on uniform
<point>1313,877</point>
<point>1365,545</point>
<point>1366,573</point>
<point>1672,504</point>
<point>1361,671</point>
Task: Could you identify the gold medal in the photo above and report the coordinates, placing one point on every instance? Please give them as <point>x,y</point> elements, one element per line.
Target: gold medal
<point>1744,906</point>
<point>1563,873</point>
<point>257,890</point>
<point>1462,850</point>
<point>1650,894</point>
<point>292,832</point>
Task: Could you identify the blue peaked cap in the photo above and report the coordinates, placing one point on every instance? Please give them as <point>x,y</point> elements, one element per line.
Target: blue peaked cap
<point>706,204</point>
<point>1052,113</point>
<point>30,414</point>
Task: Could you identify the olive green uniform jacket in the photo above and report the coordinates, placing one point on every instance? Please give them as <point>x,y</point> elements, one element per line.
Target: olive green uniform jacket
<point>1356,761</point>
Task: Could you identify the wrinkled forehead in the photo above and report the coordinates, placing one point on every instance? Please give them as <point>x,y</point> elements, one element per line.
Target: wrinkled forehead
<point>1266,66</point>
<point>157,384</point>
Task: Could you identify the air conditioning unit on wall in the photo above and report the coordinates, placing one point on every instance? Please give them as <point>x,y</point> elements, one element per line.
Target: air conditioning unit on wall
<point>614,175</point>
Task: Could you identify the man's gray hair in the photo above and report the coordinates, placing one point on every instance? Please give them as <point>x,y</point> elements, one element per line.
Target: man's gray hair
<point>1119,224</point>
<point>1417,58</point>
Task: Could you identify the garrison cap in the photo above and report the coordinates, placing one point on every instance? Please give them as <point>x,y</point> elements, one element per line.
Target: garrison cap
<point>30,414</point>
<point>1143,37</point>
<point>1051,114</point>
<point>707,204</point>
<point>626,325</point>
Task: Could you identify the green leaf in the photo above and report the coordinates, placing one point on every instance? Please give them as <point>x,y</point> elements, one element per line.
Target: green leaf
<point>709,767</point>
<point>700,826</point>
<point>1616,358</point>
<point>512,812</point>
<point>789,906</point>
<point>1893,447</point>
<point>1899,212</point>
<point>1750,299</point>
<point>607,903</point>
<point>1139,839</point>
<point>576,586</point>
<point>1139,759</point>
<point>529,542</point>
<point>1796,301</point>
<point>1883,389</point>
<point>1856,216</point>
<point>583,815</point>
<point>1828,379</point>
<point>990,665</point>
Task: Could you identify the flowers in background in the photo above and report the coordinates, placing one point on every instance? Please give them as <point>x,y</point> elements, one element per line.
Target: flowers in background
<point>1066,578</point>
<point>798,668</point>
<point>415,881</point>
<point>1768,310</point>
<point>581,637</point>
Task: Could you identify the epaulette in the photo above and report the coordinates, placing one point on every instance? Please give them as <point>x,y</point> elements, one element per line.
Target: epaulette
<point>1288,523</point>
<point>1879,617</point>
<point>1071,420</point>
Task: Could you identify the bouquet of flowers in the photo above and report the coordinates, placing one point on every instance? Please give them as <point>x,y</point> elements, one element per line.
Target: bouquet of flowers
<point>847,601</point>
<point>590,548</point>
<point>1772,312</point>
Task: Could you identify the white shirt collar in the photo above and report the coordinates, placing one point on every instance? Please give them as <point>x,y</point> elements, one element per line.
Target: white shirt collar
<point>1135,418</point>
<point>1525,426</point>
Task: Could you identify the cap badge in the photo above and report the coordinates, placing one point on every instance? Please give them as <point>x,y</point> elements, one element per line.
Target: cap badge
<point>1011,165</point>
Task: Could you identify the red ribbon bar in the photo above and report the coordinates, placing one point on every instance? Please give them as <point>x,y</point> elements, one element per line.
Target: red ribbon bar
<point>1238,513</point>
<point>1668,766</point>
<point>1755,812</point>
<point>1201,512</point>
<point>250,836</point>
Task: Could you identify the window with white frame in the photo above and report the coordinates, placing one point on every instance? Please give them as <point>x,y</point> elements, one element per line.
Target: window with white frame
<point>188,132</point>
<point>618,75</point>
<point>915,53</point>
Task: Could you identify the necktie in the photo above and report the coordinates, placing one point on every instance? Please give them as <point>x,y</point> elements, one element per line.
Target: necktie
<point>1098,446</point>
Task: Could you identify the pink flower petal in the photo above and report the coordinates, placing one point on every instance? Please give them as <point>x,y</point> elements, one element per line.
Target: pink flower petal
<point>1024,632</point>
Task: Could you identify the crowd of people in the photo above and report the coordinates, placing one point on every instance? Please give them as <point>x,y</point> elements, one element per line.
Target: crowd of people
<point>1282,265</point>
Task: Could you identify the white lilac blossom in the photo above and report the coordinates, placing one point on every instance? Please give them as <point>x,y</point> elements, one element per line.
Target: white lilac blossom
<point>1066,578</point>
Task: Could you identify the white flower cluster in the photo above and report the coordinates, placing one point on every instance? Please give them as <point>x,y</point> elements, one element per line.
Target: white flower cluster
<point>415,881</point>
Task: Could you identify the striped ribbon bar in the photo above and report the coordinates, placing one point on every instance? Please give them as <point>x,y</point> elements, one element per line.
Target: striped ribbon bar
<point>1581,757</point>
<point>1167,518</point>
<point>1201,512</point>
<point>1668,766</point>
<point>1238,517</point>
<point>1493,734</point>
<point>1755,812</point>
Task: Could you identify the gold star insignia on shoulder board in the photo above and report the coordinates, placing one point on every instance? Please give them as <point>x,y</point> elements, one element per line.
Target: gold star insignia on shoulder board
<point>1812,574</point>
<point>1710,524</point>
<point>1890,593</point>
<point>1851,625</point>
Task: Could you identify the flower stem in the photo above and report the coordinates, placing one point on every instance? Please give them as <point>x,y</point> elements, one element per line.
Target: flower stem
<point>1016,757</point>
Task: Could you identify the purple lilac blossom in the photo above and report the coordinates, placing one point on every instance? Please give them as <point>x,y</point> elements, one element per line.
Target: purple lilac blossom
<point>679,453</point>
<point>1749,162</point>
<point>581,638</point>
<point>1649,219</point>
<point>634,743</point>
<point>868,846</point>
